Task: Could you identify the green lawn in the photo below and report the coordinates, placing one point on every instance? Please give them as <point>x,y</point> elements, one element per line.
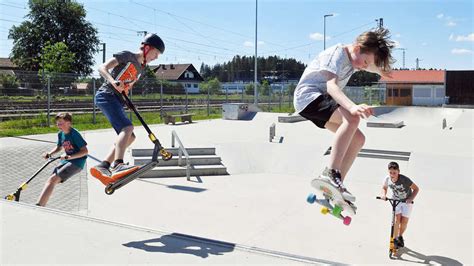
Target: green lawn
<point>38,125</point>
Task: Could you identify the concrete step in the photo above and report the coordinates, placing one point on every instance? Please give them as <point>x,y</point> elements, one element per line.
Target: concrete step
<point>191,151</point>
<point>194,160</point>
<point>180,171</point>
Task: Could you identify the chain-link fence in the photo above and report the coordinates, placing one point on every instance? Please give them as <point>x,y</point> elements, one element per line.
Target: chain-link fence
<point>31,96</point>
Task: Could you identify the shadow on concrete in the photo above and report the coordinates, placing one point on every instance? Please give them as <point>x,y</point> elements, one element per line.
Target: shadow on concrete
<point>183,244</point>
<point>409,255</point>
<point>177,187</point>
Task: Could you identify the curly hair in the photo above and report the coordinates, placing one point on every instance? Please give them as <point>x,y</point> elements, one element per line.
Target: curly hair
<point>377,42</point>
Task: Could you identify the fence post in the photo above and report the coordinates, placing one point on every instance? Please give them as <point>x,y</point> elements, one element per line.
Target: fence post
<point>161,99</point>
<point>186,108</point>
<point>226,97</point>
<point>208,102</point>
<point>93,101</point>
<point>49,101</point>
<point>243,90</point>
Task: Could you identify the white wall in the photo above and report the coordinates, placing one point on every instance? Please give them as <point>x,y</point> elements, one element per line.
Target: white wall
<point>428,95</point>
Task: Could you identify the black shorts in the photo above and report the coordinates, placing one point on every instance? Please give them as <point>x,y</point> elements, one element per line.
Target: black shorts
<point>320,110</point>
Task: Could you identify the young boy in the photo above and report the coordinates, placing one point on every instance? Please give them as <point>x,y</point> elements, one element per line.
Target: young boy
<point>111,103</point>
<point>72,162</point>
<point>319,98</point>
<point>402,189</point>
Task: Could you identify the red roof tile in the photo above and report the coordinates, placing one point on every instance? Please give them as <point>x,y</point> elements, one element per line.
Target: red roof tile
<point>415,76</point>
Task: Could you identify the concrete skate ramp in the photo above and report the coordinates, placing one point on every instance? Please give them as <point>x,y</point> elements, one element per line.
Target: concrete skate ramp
<point>418,116</point>
<point>59,237</point>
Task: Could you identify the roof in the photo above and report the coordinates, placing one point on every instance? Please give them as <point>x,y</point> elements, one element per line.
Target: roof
<point>6,63</point>
<point>174,71</point>
<point>415,76</point>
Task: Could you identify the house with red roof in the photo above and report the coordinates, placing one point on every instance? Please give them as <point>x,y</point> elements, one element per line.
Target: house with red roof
<point>415,87</point>
<point>185,74</point>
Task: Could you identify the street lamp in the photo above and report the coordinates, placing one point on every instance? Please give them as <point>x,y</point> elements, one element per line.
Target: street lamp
<point>328,15</point>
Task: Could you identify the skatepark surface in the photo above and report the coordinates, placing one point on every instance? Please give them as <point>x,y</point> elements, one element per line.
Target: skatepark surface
<point>258,214</point>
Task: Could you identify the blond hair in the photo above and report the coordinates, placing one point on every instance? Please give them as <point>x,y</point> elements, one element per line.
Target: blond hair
<point>377,42</point>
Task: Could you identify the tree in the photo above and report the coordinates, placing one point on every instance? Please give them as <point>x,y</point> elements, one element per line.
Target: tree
<point>8,81</point>
<point>54,21</point>
<point>213,86</point>
<point>363,78</point>
<point>249,89</point>
<point>264,88</point>
<point>56,65</point>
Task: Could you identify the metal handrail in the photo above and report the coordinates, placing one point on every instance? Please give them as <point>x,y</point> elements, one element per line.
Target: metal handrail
<point>181,150</point>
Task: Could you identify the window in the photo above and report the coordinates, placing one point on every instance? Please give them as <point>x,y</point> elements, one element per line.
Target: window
<point>390,92</point>
<point>405,92</point>
<point>195,85</point>
<point>440,93</point>
<point>395,92</point>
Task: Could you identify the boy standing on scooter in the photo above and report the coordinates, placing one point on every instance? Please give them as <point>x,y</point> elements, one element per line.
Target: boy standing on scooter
<point>111,103</point>
<point>402,189</point>
<point>72,161</point>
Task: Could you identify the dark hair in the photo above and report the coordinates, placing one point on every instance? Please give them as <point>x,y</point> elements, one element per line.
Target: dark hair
<point>393,165</point>
<point>65,116</point>
<point>378,42</point>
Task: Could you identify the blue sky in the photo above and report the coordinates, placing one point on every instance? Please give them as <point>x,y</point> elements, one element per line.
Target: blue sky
<point>439,33</point>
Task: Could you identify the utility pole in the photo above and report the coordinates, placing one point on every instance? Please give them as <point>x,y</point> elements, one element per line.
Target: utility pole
<point>103,51</point>
<point>418,63</point>
<point>380,22</point>
<point>403,49</point>
<point>325,16</point>
<point>255,101</point>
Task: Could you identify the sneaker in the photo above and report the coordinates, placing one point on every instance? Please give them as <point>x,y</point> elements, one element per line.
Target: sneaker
<point>401,242</point>
<point>334,178</point>
<point>121,170</point>
<point>396,243</point>
<point>102,173</point>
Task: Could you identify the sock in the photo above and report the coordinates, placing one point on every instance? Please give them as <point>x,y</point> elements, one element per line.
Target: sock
<point>105,164</point>
<point>117,162</point>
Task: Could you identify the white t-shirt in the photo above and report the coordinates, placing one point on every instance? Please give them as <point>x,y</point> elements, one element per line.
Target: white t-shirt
<point>313,83</point>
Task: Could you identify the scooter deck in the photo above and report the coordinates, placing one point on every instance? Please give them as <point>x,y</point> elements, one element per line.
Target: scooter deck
<point>110,188</point>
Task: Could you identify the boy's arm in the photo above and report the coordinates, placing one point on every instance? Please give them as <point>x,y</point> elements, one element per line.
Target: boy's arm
<point>415,189</point>
<point>81,153</point>
<point>384,192</point>
<point>338,95</point>
<point>104,72</point>
<point>46,155</point>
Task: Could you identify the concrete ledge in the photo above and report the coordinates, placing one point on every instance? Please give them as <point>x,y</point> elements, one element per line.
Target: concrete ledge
<point>290,118</point>
<point>386,124</point>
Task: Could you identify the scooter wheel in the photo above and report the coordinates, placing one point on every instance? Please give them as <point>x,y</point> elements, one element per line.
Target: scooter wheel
<point>347,220</point>
<point>10,197</point>
<point>109,190</point>
<point>311,198</point>
<point>324,210</point>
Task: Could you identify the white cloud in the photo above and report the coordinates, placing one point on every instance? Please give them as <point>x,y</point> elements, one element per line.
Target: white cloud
<point>467,38</point>
<point>424,44</point>
<point>398,35</point>
<point>451,24</point>
<point>440,16</point>
<point>248,44</point>
<point>318,36</point>
<point>260,42</point>
<point>451,37</point>
<point>461,51</point>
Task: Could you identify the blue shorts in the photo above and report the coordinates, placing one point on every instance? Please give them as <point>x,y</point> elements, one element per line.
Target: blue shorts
<point>112,107</point>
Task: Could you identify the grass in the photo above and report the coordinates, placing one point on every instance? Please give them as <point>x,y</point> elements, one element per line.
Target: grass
<point>39,125</point>
<point>82,122</point>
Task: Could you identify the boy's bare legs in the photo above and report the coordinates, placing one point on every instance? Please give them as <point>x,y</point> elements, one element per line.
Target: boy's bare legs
<point>355,146</point>
<point>124,140</point>
<point>48,190</point>
<point>347,143</point>
<point>403,225</point>
<point>396,227</point>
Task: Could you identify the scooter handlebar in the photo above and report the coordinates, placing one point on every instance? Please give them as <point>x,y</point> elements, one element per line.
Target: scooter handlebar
<point>380,198</point>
